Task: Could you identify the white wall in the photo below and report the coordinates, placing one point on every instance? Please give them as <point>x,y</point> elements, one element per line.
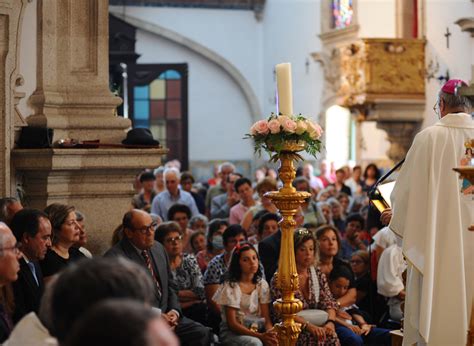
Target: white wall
<point>218,112</point>
<point>376,18</point>
<point>287,33</point>
<point>459,58</point>
<point>290,35</point>
<point>233,34</point>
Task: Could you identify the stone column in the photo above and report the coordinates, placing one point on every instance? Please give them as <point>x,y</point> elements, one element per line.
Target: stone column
<point>400,134</point>
<point>11,14</point>
<point>72,94</point>
<point>73,98</point>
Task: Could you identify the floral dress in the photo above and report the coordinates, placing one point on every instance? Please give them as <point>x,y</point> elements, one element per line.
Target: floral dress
<point>188,276</point>
<point>322,301</point>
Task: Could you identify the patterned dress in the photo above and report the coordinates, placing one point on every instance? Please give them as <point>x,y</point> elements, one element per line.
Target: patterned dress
<point>188,276</point>
<point>324,302</point>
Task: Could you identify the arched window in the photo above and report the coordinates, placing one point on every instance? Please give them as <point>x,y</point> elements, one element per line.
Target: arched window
<point>159,102</point>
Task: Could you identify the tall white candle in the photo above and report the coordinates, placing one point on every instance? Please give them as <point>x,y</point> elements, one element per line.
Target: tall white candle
<point>285,89</point>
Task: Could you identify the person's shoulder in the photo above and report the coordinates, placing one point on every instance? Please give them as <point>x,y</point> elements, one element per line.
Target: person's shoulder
<point>216,261</point>
<point>115,250</point>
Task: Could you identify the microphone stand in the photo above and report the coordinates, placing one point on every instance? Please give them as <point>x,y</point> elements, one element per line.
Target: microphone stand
<point>374,194</point>
<point>373,190</point>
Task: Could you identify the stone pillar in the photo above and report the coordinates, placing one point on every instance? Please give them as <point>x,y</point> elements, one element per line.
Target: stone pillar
<point>72,94</point>
<point>98,182</point>
<point>11,14</point>
<point>73,98</point>
<point>400,134</point>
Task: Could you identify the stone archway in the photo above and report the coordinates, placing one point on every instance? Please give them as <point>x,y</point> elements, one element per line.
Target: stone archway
<point>202,50</point>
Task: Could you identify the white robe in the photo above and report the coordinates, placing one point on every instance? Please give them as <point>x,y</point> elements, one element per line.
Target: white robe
<point>432,217</point>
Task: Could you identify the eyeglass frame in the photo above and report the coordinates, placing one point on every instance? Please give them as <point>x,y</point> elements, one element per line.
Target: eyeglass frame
<point>437,108</point>
<point>15,248</point>
<point>152,227</point>
<point>173,239</point>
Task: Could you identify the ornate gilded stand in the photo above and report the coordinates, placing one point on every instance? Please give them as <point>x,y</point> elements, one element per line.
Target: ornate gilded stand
<point>467,172</point>
<point>287,200</point>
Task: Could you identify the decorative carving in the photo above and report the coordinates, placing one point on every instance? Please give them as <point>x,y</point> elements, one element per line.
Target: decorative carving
<point>400,134</point>
<point>382,68</point>
<point>288,200</point>
<point>466,24</point>
<point>18,95</point>
<point>331,67</point>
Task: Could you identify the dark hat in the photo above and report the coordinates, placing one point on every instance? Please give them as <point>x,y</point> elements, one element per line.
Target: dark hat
<point>140,136</point>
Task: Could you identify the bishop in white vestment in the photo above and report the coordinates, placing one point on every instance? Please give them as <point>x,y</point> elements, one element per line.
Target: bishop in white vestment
<point>432,217</point>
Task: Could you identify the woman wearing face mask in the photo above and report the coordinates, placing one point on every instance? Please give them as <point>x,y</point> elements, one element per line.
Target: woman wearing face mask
<point>215,243</point>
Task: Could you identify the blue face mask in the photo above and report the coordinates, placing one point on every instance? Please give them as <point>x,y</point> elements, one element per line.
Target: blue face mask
<point>217,242</point>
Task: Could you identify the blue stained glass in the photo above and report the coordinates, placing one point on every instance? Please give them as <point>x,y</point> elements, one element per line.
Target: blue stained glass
<point>170,74</point>
<point>141,92</point>
<point>141,109</point>
<point>140,123</point>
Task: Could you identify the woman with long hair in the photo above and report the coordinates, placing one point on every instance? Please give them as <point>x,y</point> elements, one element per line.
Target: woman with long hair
<point>244,297</point>
<point>313,291</point>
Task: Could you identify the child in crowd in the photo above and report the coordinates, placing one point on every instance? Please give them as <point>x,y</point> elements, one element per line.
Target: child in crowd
<point>244,297</point>
<point>351,327</point>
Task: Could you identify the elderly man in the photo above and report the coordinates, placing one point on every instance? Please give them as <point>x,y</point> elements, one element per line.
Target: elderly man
<point>432,217</point>
<point>139,246</point>
<point>9,267</point>
<point>172,195</point>
<point>223,172</point>
<point>9,206</point>
<point>220,206</point>
<point>32,229</point>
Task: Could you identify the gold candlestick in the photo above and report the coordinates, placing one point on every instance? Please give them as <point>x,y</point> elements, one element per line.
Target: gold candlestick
<point>467,172</point>
<point>288,200</point>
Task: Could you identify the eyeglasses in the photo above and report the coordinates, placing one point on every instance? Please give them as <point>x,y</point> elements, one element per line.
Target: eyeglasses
<point>356,261</point>
<point>151,227</point>
<point>174,239</point>
<point>15,248</point>
<point>436,109</point>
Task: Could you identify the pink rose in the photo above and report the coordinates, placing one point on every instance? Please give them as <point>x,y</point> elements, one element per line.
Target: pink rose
<point>315,131</point>
<point>287,124</point>
<point>261,127</point>
<point>274,126</point>
<point>301,127</point>
<point>253,130</point>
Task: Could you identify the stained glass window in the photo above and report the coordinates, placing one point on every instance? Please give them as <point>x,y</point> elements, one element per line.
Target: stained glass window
<point>342,13</point>
<point>159,107</point>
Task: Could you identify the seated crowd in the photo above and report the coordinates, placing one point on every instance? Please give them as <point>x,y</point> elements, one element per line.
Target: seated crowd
<point>193,265</point>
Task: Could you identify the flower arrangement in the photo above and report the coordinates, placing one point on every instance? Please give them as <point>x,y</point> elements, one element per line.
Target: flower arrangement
<point>272,134</point>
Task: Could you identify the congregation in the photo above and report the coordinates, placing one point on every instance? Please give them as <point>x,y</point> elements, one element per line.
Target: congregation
<point>196,263</point>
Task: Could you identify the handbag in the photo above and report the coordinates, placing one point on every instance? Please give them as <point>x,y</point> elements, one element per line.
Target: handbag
<point>314,316</point>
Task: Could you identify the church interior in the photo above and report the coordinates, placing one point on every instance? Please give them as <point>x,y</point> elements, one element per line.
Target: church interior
<point>119,112</point>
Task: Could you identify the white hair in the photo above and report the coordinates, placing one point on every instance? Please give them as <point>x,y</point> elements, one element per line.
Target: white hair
<point>173,170</point>
<point>226,164</point>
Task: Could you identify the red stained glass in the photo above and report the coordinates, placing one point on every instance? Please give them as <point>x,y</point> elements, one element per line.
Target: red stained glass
<point>173,109</point>
<point>173,89</point>
<point>157,109</point>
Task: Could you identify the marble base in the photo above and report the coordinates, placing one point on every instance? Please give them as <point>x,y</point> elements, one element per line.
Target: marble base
<point>98,182</point>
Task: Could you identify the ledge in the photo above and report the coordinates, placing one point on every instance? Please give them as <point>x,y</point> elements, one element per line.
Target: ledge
<point>85,159</point>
